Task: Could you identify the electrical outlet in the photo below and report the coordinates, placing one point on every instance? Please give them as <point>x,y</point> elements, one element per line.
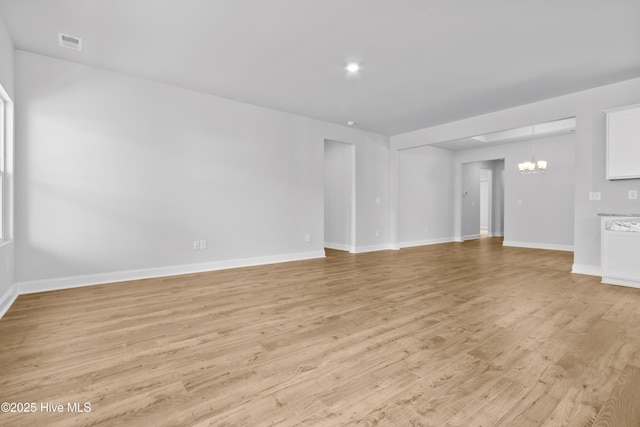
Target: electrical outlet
<point>633,194</point>
<point>307,237</point>
<point>203,244</point>
<point>377,233</point>
<point>595,195</point>
<point>196,245</point>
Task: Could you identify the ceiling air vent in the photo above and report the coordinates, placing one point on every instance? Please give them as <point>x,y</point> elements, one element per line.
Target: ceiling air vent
<point>70,42</point>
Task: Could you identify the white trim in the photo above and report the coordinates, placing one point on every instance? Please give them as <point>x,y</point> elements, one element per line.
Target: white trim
<point>339,246</point>
<point>426,242</point>
<point>496,235</point>
<point>29,287</point>
<point>621,108</point>
<point>589,270</point>
<point>353,199</point>
<point>547,246</point>
<point>620,282</point>
<point>7,143</point>
<point>7,300</point>
<point>373,248</point>
<point>470,237</point>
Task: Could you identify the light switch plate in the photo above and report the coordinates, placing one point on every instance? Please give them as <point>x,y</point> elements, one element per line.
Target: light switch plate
<point>595,195</point>
<point>633,194</point>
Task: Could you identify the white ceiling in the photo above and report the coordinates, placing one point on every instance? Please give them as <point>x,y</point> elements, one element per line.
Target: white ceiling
<point>424,62</point>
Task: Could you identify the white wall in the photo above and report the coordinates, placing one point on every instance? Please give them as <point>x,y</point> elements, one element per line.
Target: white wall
<point>338,172</point>
<point>118,174</point>
<point>484,198</point>
<point>425,188</point>
<point>544,218</point>
<point>498,199</point>
<point>545,215</point>
<point>7,292</point>
<point>372,195</point>
<point>470,200</point>
<point>587,106</point>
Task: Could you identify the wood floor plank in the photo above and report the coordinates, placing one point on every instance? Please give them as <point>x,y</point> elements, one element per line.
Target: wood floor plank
<point>457,334</point>
<point>622,408</point>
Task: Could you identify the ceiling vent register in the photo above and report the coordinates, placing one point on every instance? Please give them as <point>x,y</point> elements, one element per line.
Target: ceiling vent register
<point>70,42</point>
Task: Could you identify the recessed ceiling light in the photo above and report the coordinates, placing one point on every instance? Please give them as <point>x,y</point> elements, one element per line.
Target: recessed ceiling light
<point>351,123</point>
<point>353,67</point>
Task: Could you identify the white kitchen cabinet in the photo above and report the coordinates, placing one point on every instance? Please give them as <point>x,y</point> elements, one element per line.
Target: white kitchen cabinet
<point>623,142</point>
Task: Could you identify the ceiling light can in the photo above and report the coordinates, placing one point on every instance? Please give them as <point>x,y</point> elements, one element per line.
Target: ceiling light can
<point>353,67</point>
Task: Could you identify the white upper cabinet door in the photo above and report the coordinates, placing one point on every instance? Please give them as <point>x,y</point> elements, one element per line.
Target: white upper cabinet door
<point>623,142</point>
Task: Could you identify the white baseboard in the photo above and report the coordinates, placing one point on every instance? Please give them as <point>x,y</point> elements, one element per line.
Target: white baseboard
<point>620,282</point>
<point>340,247</point>
<point>461,239</point>
<point>589,270</point>
<point>547,246</point>
<point>426,242</point>
<point>373,248</point>
<point>470,237</point>
<point>28,287</point>
<point>8,299</point>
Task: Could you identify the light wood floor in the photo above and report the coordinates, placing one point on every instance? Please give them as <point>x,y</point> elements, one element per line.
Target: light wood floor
<point>460,334</point>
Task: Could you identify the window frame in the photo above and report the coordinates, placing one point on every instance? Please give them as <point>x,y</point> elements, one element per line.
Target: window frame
<point>6,166</point>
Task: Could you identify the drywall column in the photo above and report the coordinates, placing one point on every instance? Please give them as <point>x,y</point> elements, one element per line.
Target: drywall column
<point>393,200</point>
<point>425,185</point>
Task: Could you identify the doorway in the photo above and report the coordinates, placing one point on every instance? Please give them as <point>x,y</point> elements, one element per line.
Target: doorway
<point>339,196</point>
<point>482,199</point>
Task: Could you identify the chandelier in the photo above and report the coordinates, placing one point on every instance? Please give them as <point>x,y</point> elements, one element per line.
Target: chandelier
<point>532,166</point>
